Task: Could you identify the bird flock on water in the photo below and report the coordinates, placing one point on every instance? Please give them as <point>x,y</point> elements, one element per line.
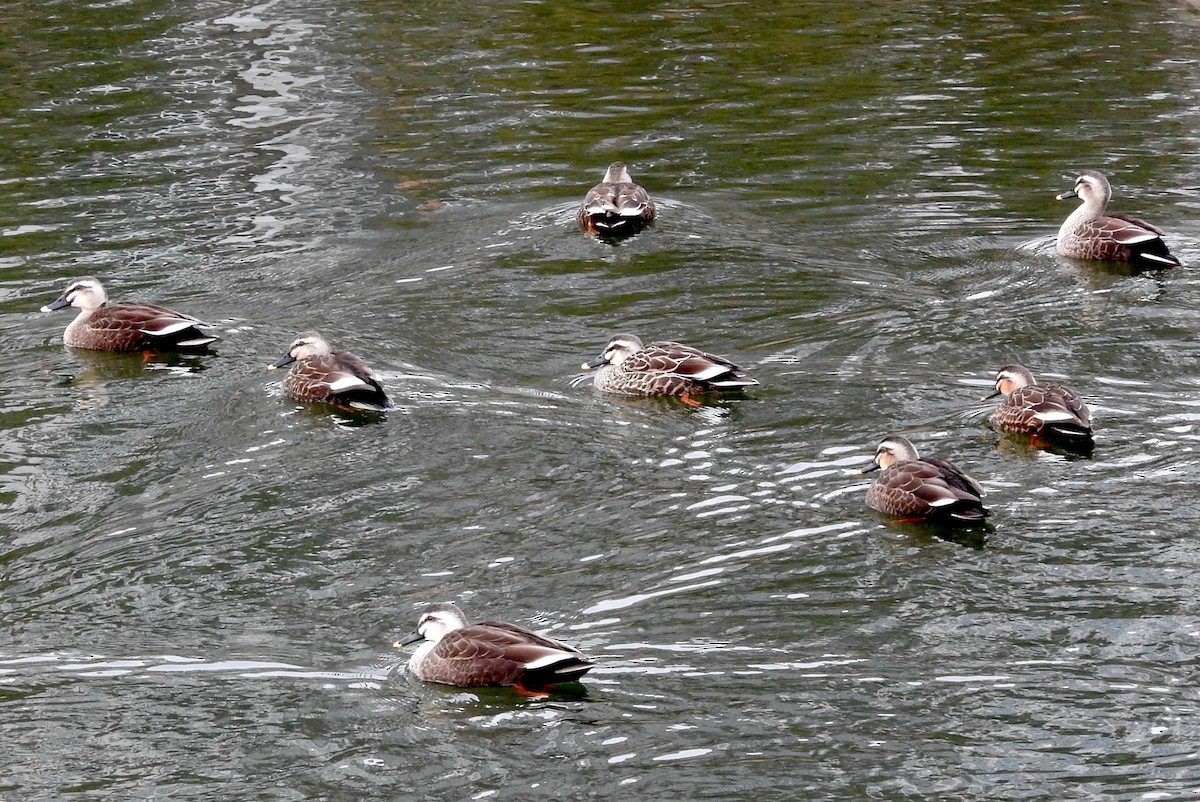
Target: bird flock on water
<point>451,650</point>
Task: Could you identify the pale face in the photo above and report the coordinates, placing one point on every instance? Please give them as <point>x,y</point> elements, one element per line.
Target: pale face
<point>1086,187</point>
<point>621,348</point>
<point>309,344</point>
<point>893,450</point>
<point>885,456</point>
<point>1012,378</point>
<point>1006,383</point>
<point>434,625</point>
<point>86,293</point>
<point>1093,187</point>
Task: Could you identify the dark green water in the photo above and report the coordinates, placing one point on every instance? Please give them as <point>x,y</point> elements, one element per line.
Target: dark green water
<point>199,582</point>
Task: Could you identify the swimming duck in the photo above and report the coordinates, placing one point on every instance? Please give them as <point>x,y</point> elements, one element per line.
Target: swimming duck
<point>1050,411</point>
<point>102,326</point>
<point>1089,233</point>
<point>489,653</point>
<point>666,368</point>
<point>334,377</point>
<point>922,489</point>
<point>616,206</point>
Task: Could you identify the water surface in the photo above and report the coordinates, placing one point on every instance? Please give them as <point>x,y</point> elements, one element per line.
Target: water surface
<point>201,579</point>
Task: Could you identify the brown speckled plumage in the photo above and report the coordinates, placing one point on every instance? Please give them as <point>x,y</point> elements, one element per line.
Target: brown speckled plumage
<point>319,373</point>
<point>101,326</point>
<point>616,206</point>
<point>1050,411</point>
<point>663,368</point>
<point>488,653</point>
<point>923,489</point>
<point>1089,233</point>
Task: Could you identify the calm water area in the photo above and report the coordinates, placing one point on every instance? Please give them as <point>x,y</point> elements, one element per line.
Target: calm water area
<point>200,580</point>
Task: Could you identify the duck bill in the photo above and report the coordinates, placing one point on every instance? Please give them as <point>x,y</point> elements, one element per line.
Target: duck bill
<point>1070,193</point>
<point>56,304</point>
<point>874,466</point>
<point>594,363</point>
<point>409,639</point>
<point>991,395</point>
<point>286,359</point>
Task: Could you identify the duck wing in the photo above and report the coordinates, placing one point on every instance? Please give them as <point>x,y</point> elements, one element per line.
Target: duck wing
<point>1132,223</point>
<point>148,325</point>
<point>337,378</point>
<point>928,489</point>
<point>1055,407</point>
<point>495,653</point>
<point>686,362</point>
<point>955,478</point>
<point>1143,244</point>
<point>616,209</point>
<point>619,200</point>
<point>912,488</point>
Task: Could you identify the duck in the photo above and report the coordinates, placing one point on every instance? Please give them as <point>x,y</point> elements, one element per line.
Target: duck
<point>1049,411</point>
<point>1089,233</point>
<point>453,651</point>
<point>319,373</point>
<point>101,326</point>
<point>916,489</point>
<point>629,367</point>
<point>616,206</point>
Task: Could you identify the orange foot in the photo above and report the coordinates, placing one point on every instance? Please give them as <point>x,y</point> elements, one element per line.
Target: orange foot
<point>540,693</point>
<point>689,401</point>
